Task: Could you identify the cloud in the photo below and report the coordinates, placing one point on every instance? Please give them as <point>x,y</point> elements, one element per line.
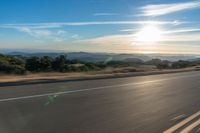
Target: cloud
<point>185,30</point>
<point>195,37</point>
<point>63,24</point>
<point>50,30</point>
<point>162,9</point>
<point>56,36</point>
<point>109,40</point>
<point>128,30</point>
<point>182,43</point>
<point>32,25</point>
<point>35,33</point>
<point>131,39</point>
<point>105,14</point>
<point>75,36</point>
<point>181,31</point>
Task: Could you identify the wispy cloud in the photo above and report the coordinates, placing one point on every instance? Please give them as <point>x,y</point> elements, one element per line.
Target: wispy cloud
<point>194,37</point>
<point>35,33</point>
<point>56,36</point>
<point>110,40</point>
<point>105,14</point>
<point>185,30</point>
<point>55,32</point>
<point>127,43</point>
<point>63,24</point>
<point>162,9</point>
<point>128,30</point>
<point>131,39</point>
<point>75,36</point>
<point>31,25</point>
<point>182,30</point>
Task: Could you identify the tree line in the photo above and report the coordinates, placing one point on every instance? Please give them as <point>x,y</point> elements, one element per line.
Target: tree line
<point>21,65</point>
<point>10,64</point>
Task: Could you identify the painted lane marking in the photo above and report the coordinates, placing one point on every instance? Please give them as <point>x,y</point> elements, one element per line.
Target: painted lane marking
<point>182,123</point>
<point>191,127</point>
<point>90,89</point>
<point>74,91</point>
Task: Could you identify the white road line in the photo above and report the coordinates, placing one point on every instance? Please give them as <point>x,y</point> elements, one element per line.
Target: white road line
<point>190,127</point>
<point>74,91</point>
<point>89,89</point>
<point>182,123</point>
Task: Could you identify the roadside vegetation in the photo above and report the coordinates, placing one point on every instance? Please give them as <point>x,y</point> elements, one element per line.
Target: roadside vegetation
<point>22,65</point>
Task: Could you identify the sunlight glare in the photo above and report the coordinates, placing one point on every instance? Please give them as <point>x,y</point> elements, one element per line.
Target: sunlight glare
<point>149,34</point>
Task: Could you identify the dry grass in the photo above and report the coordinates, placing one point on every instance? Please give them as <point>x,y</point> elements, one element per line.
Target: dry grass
<point>76,75</point>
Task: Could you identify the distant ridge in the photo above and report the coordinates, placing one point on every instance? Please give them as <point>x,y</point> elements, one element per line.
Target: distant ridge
<point>94,57</point>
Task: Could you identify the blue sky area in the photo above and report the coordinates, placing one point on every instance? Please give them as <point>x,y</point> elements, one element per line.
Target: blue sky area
<point>115,26</point>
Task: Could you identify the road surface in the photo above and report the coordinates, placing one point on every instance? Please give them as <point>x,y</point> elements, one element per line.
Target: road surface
<point>145,104</point>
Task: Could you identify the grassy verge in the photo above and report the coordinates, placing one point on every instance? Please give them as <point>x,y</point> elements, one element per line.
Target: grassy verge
<point>120,72</point>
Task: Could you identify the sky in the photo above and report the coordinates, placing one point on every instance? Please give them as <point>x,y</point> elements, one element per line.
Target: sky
<point>114,26</point>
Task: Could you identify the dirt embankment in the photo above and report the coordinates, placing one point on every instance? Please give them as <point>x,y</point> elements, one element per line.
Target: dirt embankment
<point>109,73</point>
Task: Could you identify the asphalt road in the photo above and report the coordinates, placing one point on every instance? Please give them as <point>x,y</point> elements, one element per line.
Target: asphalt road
<point>144,104</point>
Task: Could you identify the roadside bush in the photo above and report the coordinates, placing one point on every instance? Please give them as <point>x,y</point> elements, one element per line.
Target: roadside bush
<point>33,64</point>
<point>59,63</point>
<point>181,64</point>
<point>162,65</point>
<point>11,65</point>
<point>46,63</point>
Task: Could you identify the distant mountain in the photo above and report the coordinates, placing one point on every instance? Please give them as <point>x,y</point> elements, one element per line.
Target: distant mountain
<point>196,59</point>
<point>95,57</point>
<point>174,57</point>
<point>133,60</point>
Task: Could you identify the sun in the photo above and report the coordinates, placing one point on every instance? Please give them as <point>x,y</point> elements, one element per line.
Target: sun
<point>149,34</point>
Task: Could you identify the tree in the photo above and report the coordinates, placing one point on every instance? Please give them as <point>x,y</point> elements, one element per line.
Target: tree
<point>46,63</point>
<point>154,62</point>
<point>10,64</point>
<point>181,64</point>
<point>33,64</point>
<point>59,64</point>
